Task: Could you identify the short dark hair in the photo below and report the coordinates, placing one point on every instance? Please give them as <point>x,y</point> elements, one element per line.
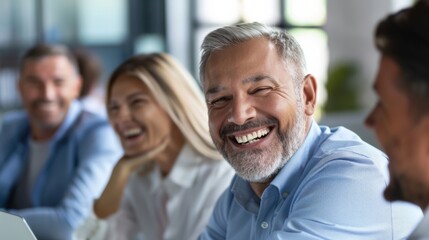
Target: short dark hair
<point>90,69</point>
<point>44,50</point>
<point>404,37</point>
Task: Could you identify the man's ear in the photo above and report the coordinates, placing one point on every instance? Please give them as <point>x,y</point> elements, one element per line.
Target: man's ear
<point>309,88</point>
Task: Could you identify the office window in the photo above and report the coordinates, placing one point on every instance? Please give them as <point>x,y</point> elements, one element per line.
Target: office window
<point>59,21</point>
<point>215,12</point>
<point>305,12</point>
<point>261,11</point>
<point>17,23</point>
<point>102,21</point>
<point>314,43</point>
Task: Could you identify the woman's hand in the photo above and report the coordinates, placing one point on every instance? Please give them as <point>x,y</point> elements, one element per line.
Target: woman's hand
<point>141,163</point>
<point>110,200</point>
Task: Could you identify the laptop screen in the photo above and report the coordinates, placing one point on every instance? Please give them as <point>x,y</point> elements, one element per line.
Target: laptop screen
<point>14,227</point>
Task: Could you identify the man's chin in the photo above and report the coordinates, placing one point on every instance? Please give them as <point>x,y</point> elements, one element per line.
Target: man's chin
<point>48,120</point>
<point>48,124</point>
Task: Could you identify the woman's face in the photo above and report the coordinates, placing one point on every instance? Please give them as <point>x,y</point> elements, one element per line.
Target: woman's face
<point>140,122</point>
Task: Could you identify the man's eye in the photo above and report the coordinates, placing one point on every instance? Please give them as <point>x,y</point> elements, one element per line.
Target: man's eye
<point>261,90</point>
<point>219,102</point>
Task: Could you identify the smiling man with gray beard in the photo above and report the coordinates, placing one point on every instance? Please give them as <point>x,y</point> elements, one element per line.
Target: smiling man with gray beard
<point>294,179</point>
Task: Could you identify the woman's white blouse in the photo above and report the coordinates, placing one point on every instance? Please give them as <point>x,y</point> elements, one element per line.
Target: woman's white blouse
<point>172,208</point>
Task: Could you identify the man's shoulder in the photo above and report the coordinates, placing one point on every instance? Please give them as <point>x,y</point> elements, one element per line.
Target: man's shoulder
<point>13,123</point>
<point>14,131</point>
<point>88,118</point>
<point>82,126</point>
<point>14,117</point>
<point>340,141</point>
<point>87,121</point>
<point>342,149</point>
<point>88,133</point>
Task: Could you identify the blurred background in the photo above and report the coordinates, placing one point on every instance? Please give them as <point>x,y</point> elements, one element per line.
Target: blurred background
<point>336,36</point>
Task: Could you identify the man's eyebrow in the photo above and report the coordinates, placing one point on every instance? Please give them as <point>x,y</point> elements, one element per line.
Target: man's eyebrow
<point>258,78</point>
<point>252,79</point>
<point>214,90</point>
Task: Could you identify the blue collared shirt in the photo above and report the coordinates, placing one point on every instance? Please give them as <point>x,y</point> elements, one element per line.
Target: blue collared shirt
<point>330,189</point>
<point>82,154</point>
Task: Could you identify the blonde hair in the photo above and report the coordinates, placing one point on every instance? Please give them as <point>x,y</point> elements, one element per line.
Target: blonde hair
<point>177,92</point>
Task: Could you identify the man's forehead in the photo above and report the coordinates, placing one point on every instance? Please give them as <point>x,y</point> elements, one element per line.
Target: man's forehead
<point>49,61</point>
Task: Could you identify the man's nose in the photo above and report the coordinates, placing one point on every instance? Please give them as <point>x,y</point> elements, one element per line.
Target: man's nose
<point>48,92</point>
<point>241,111</point>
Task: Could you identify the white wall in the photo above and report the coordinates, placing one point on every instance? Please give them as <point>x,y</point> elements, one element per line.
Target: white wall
<point>350,28</point>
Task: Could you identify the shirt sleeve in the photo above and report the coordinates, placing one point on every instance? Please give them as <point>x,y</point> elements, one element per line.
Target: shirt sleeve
<point>216,227</point>
<point>92,228</point>
<point>120,226</point>
<point>98,151</point>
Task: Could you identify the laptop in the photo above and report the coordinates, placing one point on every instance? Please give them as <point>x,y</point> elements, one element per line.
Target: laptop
<point>14,227</point>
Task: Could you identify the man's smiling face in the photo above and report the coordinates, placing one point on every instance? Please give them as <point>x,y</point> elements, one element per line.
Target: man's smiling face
<point>257,115</point>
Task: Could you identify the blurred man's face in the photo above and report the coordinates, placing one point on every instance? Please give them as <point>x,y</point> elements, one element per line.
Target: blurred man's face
<point>403,137</point>
<point>257,120</point>
<point>48,86</point>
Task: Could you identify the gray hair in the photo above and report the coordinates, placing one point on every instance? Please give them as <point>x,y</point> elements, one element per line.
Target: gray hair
<point>227,36</point>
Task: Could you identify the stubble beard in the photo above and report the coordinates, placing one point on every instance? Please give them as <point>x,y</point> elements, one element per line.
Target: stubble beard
<point>261,165</point>
<point>393,191</point>
<point>401,188</point>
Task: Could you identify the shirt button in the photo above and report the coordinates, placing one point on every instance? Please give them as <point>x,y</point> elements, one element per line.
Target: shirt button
<point>264,225</point>
<point>285,194</point>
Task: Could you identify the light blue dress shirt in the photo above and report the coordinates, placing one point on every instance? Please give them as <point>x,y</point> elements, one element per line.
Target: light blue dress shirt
<point>83,152</point>
<point>422,230</point>
<point>332,188</point>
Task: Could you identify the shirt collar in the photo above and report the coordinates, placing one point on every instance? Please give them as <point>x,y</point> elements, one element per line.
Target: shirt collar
<point>294,168</point>
<point>287,176</point>
<point>71,116</point>
<point>184,170</point>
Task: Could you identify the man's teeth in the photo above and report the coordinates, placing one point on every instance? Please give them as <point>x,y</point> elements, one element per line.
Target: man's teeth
<point>132,132</point>
<point>251,137</point>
